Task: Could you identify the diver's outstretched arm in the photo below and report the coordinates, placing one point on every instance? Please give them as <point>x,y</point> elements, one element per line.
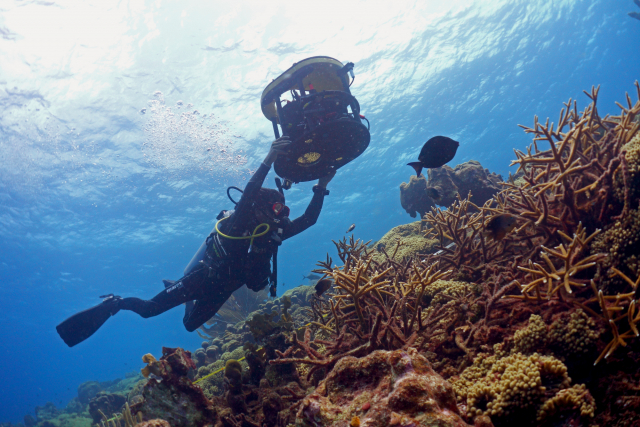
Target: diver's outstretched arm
<point>243,208</point>
<point>312,212</point>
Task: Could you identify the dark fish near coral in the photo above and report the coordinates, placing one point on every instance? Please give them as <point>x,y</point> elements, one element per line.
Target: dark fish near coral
<point>311,277</point>
<point>499,226</point>
<point>434,194</point>
<point>380,247</point>
<point>435,152</point>
<point>351,228</point>
<point>323,285</point>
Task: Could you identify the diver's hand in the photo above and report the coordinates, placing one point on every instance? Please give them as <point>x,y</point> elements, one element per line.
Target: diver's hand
<point>322,182</point>
<point>280,145</point>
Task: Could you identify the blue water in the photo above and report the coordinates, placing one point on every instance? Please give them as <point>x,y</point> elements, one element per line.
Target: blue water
<point>98,197</point>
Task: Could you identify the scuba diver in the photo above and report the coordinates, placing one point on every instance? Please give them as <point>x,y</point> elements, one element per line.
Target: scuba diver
<point>237,252</point>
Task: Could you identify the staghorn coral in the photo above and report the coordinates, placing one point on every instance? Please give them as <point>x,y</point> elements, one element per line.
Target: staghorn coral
<point>557,281</point>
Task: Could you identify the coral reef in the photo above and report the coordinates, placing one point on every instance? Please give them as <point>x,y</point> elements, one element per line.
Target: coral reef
<point>105,404</point>
<point>512,389</point>
<point>385,388</point>
<point>170,394</point>
<point>403,241</point>
<point>547,293</point>
<point>446,184</point>
<point>446,326</point>
<point>414,198</point>
<point>465,178</point>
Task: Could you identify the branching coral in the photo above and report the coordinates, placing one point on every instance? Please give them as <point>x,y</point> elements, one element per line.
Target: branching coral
<point>551,281</point>
<point>479,288</point>
<point>376,306</point>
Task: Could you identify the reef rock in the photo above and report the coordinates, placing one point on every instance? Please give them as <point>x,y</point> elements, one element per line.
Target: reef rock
<point>87,391</point>
<point>385,388</point>
<point>154,423</point>
<point>448,183</point>
<point>107,403</point>
<point>413,196</point>
<point>46,412</point>
<point>170,395</point>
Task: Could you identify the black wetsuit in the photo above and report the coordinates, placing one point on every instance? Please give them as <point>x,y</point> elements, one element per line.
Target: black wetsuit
<point>205,291</point>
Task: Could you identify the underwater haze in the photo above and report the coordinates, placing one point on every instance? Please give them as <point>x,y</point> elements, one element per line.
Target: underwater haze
<point>123,123</point>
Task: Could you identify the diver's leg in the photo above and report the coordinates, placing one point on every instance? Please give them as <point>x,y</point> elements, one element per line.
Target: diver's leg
<point>184,290</point>
<point>206,306</point>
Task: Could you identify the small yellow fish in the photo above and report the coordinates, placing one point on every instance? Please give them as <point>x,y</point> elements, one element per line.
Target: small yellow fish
<point>355,421</point>
<point>499,226</point>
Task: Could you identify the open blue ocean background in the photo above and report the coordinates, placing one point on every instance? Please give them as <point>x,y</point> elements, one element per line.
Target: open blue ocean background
<point>107,110</point>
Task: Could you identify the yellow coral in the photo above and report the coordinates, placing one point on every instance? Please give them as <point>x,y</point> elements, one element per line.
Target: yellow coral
<point>620,241</point>
<point>575,336</point>
<point>152,365</point>
<point>633,154</point>
<point>497,386</point>
<point>412,242</point>
<point>532,338</point>
<point>443,291</point>
<point>575,398</point>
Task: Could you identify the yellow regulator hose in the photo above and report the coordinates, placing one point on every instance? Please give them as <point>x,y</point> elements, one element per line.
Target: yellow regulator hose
<point>253,235</point>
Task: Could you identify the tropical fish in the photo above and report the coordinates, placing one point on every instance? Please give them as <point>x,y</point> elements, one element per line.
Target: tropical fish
<point>351,228</point>
<point>380,247</point>
<point>635,15</point>
<point>435,152</point>
<point>434,194</point>
<point>311,277</point>
<point>499,226</point>
<point>323,285</point>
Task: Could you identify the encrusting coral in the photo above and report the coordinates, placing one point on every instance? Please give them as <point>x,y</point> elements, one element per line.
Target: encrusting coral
<point>384,388</point>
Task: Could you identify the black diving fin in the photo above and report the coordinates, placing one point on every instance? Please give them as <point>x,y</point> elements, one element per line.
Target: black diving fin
<point>81,326</point>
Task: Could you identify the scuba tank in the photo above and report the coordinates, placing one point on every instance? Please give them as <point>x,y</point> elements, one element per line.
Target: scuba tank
<point>201,252</point>
<point>199,256</point>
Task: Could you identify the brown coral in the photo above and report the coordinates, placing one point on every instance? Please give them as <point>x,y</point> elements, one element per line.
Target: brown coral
<point>384,388</point>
